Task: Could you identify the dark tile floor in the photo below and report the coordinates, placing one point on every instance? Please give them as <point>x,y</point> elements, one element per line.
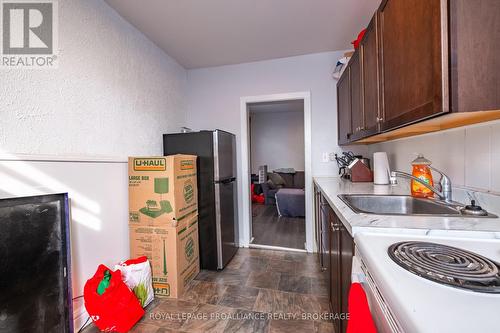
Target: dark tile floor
<point>259,291</point>
<point>268,228</point>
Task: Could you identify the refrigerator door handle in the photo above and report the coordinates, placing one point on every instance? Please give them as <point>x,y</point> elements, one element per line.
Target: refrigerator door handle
<point>226,181</point>
<point>216,156</point>
<point>218,222</point>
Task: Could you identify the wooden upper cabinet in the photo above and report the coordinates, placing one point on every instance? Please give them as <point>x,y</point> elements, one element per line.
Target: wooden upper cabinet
<point>357,114</point>
<point>411,61</point>
<point>344,108</point>
<point>370,78</point>
<point>363,75</point>
<point>475,55</point>
<point>420,59</point>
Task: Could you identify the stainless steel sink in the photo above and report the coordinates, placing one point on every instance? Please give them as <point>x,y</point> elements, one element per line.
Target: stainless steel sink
<point>401,205</point>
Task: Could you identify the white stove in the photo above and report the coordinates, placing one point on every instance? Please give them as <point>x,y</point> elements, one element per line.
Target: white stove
<point>431,284</point>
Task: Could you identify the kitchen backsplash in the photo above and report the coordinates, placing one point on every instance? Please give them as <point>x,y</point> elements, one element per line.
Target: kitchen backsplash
<point>470,156</point>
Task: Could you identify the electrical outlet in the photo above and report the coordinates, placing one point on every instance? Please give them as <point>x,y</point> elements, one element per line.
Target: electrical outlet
<point>325,158</point>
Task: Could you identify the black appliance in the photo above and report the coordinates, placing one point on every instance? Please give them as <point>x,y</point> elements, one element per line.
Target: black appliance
<point>35,277</point>
<point>217,193</point>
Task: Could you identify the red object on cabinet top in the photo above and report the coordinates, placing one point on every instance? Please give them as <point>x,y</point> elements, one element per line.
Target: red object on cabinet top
<point>358,40</point>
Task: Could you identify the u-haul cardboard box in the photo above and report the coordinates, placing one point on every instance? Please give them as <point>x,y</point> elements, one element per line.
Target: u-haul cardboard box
<point>161,188</point>
<point>172,251</point>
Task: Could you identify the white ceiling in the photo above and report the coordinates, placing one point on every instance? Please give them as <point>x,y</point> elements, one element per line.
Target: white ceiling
<point>278,106</point>
<point>204,33</point>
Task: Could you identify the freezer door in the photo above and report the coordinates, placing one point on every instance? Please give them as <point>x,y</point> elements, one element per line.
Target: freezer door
<point>225,213</point>
<point>224,155</point>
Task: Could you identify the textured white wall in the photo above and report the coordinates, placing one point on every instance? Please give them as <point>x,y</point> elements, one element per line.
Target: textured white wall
<point>113,94</point>
<point>277,140</point>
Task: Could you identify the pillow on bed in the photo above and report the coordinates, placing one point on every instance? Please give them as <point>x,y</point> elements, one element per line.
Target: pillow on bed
<point>277,179</point>
<point>273,186</point>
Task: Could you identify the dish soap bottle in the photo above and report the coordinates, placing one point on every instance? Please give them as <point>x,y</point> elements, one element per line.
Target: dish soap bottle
<point>422,171</point>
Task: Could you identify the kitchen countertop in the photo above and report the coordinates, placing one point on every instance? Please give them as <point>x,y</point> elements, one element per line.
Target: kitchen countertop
<point>331,187</point>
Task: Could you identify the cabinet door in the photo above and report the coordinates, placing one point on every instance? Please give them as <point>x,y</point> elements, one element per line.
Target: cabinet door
<point>357,113</point>
<point>474,61</point>
<point>325,227</point>
<point>334,287</point>
<point>370,79</point>
<point>347,252</point>
<point>319,225</point>
<point>412,87</point>
<point>344,108</point>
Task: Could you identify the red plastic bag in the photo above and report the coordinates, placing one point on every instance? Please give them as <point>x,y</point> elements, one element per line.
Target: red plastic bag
<point>117,309</point>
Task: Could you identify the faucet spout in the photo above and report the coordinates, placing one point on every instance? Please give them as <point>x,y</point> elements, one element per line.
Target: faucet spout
<point>444,194</point>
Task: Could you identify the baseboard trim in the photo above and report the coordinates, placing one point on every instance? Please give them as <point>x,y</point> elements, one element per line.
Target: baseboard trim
<point>278,248</point>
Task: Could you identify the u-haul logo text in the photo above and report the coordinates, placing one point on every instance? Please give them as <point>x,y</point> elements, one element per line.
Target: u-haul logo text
<point>150,164</point>
<point>187,165</point>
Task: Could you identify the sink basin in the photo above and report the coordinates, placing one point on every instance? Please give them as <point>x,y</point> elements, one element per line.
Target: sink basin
<point>401,205</point>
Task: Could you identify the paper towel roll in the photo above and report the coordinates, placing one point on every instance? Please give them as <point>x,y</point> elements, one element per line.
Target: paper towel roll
<point>380,168</point>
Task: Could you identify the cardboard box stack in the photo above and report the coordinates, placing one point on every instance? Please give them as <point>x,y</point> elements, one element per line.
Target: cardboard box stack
<point>163,219</point>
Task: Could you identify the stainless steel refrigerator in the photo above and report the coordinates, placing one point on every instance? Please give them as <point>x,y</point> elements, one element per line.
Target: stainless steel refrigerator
<point>217,193</point>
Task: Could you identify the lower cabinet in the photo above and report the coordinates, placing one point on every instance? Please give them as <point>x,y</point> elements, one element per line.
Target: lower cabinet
<point>325,233</point>
<point>336,251</point>
<point>317,217</point>
<point>335,294</point>
<point>345,269</point>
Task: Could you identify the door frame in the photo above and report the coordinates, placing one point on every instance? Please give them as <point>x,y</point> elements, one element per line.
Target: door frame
<point>245,162</point>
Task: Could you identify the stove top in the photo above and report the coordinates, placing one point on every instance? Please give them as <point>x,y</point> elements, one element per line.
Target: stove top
<point>426,305</point>
<point>448,265</point>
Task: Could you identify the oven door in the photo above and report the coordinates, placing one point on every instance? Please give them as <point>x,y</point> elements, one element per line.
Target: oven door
<point>381,314</point>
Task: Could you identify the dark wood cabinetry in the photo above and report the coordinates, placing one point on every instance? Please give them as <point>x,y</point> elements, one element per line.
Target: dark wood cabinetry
<point>370,79</point>
<point>359,90</point>
<point>335,292</point>
<point>412,60</point>
<point>474,60</point>
<point>344,108</point>
<point>341,253</point>
<point>357,114</point>
<point>336,251</point>
<point>346,253</point>
<point>319,227</point>
<point>422,66</point>
<point>325,229</point>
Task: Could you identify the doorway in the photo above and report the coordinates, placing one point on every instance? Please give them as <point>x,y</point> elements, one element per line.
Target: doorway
<point>272,224</point>
<point>277,163</point>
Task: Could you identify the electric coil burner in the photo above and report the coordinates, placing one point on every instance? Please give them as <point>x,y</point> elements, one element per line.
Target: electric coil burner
<point>448,265</point>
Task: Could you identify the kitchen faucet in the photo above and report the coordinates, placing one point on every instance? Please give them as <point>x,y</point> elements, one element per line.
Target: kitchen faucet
<point>444,194</point>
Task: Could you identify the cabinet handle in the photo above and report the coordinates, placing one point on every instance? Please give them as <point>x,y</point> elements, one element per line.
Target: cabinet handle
<point>336,227</point>
<point>380,119</point>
